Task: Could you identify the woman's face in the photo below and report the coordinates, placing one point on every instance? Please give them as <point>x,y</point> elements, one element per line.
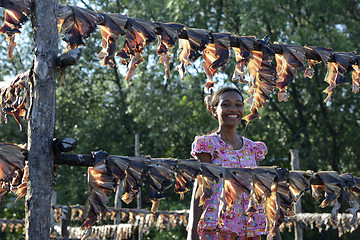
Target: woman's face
<point>230,109</point>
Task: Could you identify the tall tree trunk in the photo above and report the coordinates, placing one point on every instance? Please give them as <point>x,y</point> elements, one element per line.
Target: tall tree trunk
<point>41,124</point>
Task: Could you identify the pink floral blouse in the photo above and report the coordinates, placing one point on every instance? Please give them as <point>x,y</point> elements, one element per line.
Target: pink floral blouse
<point>235,222</point>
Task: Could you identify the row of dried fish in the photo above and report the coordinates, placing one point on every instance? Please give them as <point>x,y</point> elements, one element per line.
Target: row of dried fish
<point>323,221</point>
<point>118,232</point>
<point>277,189</point>
<point>256,55</point>
<point>11,225</point>
<point>139,218</point>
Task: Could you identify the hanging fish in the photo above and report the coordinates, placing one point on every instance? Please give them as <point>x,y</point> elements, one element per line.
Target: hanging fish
<point>101,183</point>
<point>288,62</point>
<point>335,75</point>
<point>216,54</point>
<point>16,13</point>
<point>11,167</point>
<point>350,195</point>
<point>12,225</point>
<point>139,34</point>
<point>271,207</point>
<point>186,172</point>
<point>14,98</point>
<point>209,175</point>
<point>265,183</point>
<point>356,75</point>
<point>263,76</point>
<point>285,202</point>
<point>167,39</point>
<point>112,26</point>
<point>330,184</point>
<point>118,166</point>
<point>299,182</point>
<point>135,176</point>
<point>161,176</point>
<point>189,48</point>
<point>77,24</point>
<point>236,182</point>
<point>288,192</point>
<point>321,54</point>
<point>21,189</point>
<point>242,54</point>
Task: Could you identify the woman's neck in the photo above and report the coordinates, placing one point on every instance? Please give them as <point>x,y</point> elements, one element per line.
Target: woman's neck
<point>227,134</point>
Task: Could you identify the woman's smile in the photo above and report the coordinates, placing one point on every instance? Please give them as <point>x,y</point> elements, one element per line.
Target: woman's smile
<point>230,109</point>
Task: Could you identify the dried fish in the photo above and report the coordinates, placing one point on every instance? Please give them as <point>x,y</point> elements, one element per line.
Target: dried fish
<point>16,14</point>
<point>77,24</point>
<point>216,54</point>
<point>242,53</point>
<point>263,82</point>
<point>139,34</point>
<point>287,63</point>
<point>167,40</point>
<point>189,48</point>
<point>112,26</point>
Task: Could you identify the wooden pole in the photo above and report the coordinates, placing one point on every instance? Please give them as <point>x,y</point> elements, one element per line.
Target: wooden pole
<point>138,198</point>
<point>118,202</point>
<point>295,165</point>
<point>42,119</point>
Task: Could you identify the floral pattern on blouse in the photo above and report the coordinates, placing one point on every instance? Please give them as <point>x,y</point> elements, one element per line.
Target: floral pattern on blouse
<point>235,222</point>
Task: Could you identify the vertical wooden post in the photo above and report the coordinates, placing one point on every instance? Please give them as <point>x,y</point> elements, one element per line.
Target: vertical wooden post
<point>118,202</point>
<point>139,203</point>
<point>42,119</point>
<point>295,165</point>
<point>64,222</point>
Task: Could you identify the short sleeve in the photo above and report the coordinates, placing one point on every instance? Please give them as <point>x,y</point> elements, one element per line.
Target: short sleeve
<point>202,144</point>
<point>260,150</point>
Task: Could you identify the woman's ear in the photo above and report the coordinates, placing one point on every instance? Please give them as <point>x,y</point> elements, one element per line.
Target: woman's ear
<point>213,112</point>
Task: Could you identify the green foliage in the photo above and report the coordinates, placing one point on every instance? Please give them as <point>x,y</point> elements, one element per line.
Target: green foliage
<point>102,111</point>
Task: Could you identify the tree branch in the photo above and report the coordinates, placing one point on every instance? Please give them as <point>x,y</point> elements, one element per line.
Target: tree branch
<point>285,119</point>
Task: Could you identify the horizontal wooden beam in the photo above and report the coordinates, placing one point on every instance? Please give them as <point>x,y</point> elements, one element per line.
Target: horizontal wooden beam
<point>74,159</point>
<point>88,160</point>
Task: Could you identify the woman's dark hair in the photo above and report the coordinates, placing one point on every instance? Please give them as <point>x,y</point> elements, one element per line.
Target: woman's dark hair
<point>214,101</point>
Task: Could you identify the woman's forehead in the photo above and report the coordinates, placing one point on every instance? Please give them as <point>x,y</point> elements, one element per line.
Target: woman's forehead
<point>230,96</point>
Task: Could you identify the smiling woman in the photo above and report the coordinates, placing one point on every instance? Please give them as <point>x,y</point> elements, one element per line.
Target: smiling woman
<point>228,149</point>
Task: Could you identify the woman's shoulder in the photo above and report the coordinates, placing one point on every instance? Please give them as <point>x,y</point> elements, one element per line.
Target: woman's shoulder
<point>252,143</point>
<point>206,139</point>
<point>204,144</point>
